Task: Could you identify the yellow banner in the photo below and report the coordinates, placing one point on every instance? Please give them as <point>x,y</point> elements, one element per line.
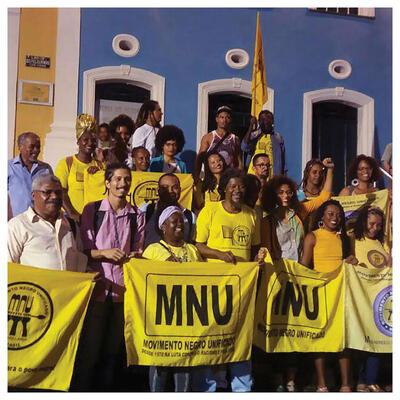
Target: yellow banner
<point>259,93</point>
<point>298,309</point>
<point>144,188</point>
<point>188,314</point>
<point>351,205</point>
<point>46,310</point>
<point>368,305</point>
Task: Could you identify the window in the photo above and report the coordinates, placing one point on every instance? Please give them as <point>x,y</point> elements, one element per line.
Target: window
<point>355,12</point>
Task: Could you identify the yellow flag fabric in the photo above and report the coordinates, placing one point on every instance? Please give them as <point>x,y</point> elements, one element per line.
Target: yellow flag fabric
<point>351,205</point>
<point>144,188</point>
<point>298,309</point>
<point>368,305</point>
<point>302,310</point>
<point>46,310</point>
<point>259,94</point>
<point>188,314</point>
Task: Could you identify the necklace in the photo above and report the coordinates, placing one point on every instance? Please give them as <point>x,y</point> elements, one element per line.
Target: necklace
<point>184,257</point>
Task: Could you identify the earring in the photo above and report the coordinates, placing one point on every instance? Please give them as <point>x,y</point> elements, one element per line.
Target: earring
<point>339,232</point>
<point>355,182</point>
<point>374,184</point>
<point>320,224</point>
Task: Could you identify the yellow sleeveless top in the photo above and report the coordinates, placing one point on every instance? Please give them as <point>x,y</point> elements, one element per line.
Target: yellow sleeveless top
<point>327,251</point>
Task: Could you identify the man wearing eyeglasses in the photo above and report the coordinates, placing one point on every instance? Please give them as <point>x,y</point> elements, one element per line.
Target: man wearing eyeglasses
<point>42,236</point>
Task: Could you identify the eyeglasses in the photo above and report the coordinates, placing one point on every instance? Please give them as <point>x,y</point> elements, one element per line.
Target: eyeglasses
<point>263,165</point>
<point>47,193</point>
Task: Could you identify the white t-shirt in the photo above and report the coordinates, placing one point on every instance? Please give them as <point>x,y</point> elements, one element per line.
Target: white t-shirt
<point>145,136</point>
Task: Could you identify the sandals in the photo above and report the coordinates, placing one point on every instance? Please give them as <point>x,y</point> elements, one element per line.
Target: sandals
<point>346,389</point>
<point>374,388</point>
<point>362,387</point>
<point>322,389</point>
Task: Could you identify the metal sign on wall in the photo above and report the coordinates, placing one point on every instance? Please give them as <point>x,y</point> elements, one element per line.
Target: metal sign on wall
<point>37,61</point>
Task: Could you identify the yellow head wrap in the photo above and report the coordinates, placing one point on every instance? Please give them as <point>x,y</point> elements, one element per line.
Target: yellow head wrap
<point>84,122</point>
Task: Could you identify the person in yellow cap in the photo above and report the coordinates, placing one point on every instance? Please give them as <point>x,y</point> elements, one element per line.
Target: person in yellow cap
<point>70,170</point>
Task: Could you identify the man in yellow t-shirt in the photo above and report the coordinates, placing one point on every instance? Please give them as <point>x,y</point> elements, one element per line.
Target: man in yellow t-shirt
<point>228,230</point>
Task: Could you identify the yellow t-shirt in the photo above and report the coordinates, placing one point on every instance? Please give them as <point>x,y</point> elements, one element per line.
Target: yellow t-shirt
<point>327,251</point>
<point>228,232</point>
<point>187,253</point>
<point>370,253</point>
<point>73,179</point>
<point>209,196</point>
<point>264,145</point>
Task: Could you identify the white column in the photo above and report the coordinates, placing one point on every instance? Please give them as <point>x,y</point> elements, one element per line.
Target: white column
<point>13,46</point>
<point>61,142</point>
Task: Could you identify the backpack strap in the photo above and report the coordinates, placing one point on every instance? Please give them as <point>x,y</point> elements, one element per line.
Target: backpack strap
<point>133,226</point>
<point>72,224</point>
<point>98,217</point>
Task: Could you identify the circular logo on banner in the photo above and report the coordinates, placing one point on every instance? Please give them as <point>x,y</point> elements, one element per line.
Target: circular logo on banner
<point>377,259</point>
<point>241,235</point>
<point>146,192</point>
<point>383,311</point>
<point>30,312</point>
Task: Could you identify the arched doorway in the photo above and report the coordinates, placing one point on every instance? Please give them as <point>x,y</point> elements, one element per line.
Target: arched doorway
<point>234,88</point>
<point>123,74</point>
<point>364,106</point>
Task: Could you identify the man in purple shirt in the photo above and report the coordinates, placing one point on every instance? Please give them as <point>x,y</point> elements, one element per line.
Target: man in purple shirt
<point>112,231</point>
<point>22,170</point>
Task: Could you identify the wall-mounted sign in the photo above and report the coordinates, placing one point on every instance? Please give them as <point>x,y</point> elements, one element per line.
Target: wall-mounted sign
<point>37,61</point>
<point>32,92</point>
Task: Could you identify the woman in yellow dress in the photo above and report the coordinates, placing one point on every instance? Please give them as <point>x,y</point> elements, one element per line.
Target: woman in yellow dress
<point>324,249</point>
<point>70,170</point>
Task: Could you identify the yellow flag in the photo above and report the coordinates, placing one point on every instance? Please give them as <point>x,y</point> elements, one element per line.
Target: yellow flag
<point>299,309</point>
<point>144,188</point>
<point>46,310</point>
<point>259,94</point>
<point>188,314</point>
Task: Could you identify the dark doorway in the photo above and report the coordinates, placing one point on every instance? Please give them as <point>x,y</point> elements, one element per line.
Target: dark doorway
<point>114,98</point>
<point>240,106</point>
<point>334,134</point>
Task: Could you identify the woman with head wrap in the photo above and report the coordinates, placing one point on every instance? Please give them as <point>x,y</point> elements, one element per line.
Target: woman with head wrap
<point>70,170</point>
<point>171,247</point>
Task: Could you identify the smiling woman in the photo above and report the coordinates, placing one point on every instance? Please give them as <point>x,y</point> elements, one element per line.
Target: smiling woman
<point>70,170</point>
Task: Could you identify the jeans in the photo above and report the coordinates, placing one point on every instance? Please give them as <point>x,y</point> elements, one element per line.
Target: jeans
<point>158,377</point>
<point>204,380</point>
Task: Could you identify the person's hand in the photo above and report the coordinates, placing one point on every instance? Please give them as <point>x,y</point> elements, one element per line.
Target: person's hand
<point>115,255</point>
<point>135,254</point>
<point>227,256</point>
<point>93,169</point>
<point>253,123</point>
<point>351,260</point>
<point>260,256</point>
<point>328,163</point>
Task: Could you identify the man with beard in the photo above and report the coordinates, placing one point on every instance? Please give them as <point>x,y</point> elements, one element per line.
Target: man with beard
<point>42,236</point>
<point>169,192</point>
<point>112,233</point>
<point>22,170</point>
<point>265,140</point>
<point>229,231</point>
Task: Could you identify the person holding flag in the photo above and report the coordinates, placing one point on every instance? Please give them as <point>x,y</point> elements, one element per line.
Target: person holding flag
<point>262,139</point>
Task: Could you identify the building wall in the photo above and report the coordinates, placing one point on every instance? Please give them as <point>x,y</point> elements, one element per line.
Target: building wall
<point>188,46</point>
<point>38,36</point>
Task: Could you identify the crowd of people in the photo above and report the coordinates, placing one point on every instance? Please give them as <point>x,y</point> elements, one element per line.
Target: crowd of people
<point>238,184</point>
